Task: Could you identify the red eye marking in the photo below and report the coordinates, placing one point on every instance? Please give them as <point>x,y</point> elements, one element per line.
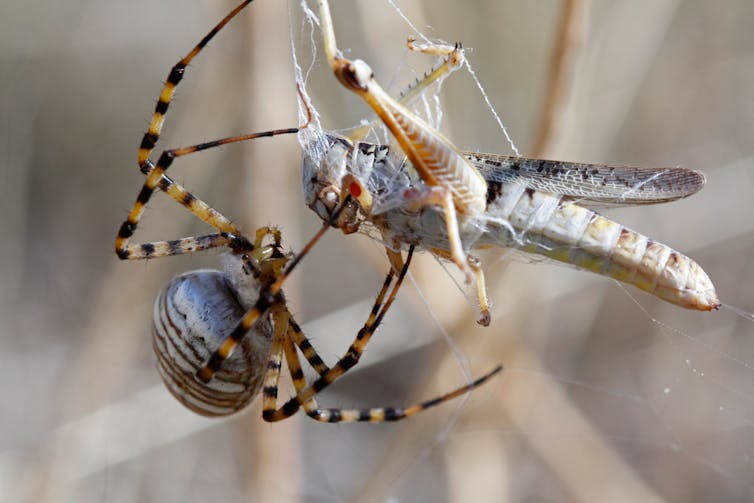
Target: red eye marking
<point>355,189</point>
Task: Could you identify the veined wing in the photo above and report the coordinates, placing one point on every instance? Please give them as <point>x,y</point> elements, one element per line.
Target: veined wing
<point>596,183</point>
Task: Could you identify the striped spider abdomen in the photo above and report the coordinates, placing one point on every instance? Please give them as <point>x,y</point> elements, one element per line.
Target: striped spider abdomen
<point>193,314</point>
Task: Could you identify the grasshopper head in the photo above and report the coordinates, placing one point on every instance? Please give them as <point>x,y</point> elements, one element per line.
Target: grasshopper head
<point>324,166</point>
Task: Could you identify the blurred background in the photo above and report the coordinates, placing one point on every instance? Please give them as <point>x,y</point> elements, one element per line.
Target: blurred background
<point>608,393</point>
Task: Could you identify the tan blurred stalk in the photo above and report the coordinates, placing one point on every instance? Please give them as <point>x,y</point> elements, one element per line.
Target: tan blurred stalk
<point>268,185</point>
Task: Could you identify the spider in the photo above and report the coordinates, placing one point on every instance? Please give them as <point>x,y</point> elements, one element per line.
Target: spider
<point>262,324</point>
<point>197,309</point>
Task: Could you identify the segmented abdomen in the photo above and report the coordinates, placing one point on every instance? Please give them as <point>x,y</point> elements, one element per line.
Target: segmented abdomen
<point>191,317</point>
<point>546,225</point>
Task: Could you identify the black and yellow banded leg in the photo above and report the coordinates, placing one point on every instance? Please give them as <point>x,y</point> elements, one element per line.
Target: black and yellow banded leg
<point>271,380</point>
<point>191,202</point>
<point>287,336</point>
<point>269,296</point>
<point>203,211</point>
<point>338,415</point>
<point>157,178</point>
<point>283,343</point>
<point>311,355</point>
<point>296,336</point>
<point>297,376</point>
<point>305,395</point>
<point>382,414</point>
<point>354,352</point>
<point>190,244</point>
<point>299,339</point>
<point>168,89</point>
<point>175,191</point>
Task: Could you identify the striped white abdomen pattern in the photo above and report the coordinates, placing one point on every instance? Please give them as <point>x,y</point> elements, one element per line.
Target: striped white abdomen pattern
<point>192,314</point>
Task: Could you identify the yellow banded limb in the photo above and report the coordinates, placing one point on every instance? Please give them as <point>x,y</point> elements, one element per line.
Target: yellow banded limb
<point>168,90</point>
<point>157,178</point>
<point>274,364</point>
<point>382,414</point>
<point>295,336</point>
<point>269,295</point>
<point>300,340</point>
<point>297,374</point>
<point>305,394</point>
<point>354,352</point>
<point>288,343</point>
<point>191,244</point>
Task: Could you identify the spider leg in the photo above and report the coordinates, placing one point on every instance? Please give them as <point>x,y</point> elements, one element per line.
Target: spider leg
<point>269,295</point>
<point>305,395</point>
<point>355,350</point>
<point>311,355</point>
<point>299,339</point>
<point>297,376</point>
<point>168,89</point>
<point>275,361</point>
<point>382,414</point>
<point>371,414</point>
<point>293,338</point>
<point>156,178</point>
<point>190,244</point>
